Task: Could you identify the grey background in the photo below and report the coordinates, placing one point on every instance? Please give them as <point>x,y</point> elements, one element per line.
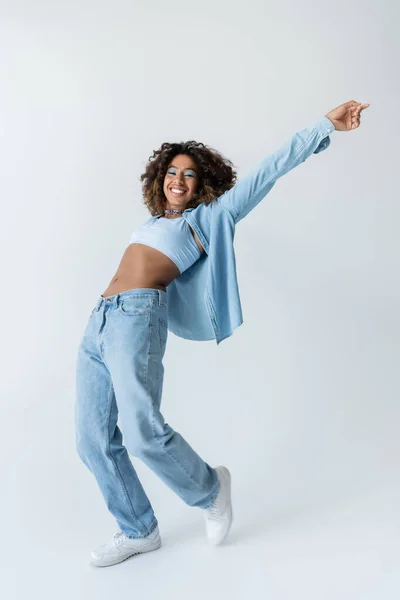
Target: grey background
<point>301,403</point>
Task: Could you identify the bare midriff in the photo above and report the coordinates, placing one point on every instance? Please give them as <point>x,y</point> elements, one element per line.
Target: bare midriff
<point>144,267</point>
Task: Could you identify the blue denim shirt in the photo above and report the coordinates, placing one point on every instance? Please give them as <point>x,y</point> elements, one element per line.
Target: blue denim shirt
<point>204,301</point>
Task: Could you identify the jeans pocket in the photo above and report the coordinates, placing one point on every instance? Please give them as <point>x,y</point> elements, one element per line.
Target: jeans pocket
<point>136,305</point>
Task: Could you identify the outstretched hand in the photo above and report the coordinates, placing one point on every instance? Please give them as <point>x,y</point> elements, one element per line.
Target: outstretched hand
<point>346,116</point>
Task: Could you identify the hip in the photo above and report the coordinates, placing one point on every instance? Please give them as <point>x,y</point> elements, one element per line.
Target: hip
<point>133,322</point>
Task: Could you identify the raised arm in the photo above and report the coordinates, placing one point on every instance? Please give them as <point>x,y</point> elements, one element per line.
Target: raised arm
<point>253,187</point>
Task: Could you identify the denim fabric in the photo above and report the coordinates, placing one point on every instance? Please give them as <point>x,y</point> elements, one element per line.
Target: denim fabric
<point>119,375</point>
<point>204,301</point>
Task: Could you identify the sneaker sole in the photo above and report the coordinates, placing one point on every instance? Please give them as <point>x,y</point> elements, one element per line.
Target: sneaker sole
<point>153,546</point>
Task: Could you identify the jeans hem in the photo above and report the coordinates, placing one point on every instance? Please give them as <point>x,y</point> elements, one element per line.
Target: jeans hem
<point>152,527</point>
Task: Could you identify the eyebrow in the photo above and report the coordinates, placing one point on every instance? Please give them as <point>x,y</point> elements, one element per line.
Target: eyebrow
<point>186,169</point>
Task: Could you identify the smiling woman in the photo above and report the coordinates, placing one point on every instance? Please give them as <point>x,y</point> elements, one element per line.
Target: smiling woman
<point>177,274</point>
<point>120,361</point>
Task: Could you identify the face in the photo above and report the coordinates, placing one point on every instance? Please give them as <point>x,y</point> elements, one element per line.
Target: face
<point>180,181</point>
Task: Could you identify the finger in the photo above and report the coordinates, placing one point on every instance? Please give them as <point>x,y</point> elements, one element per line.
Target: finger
<point>360,107</point>
<point>355,116</point>
<point>355,119</point>
<point>351,103</point>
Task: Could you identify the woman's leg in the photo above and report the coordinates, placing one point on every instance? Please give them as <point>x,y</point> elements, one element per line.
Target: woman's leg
<point>99,439</point>
<point>133,345</point>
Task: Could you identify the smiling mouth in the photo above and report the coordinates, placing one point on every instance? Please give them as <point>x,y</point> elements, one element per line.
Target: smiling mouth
<point>177,191</point>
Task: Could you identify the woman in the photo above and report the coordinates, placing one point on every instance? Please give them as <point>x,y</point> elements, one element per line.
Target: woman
<point>178,273</point>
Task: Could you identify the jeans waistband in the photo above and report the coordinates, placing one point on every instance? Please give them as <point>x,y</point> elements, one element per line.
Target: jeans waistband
<point>138,292</point>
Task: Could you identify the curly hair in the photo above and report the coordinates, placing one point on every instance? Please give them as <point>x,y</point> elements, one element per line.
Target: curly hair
<point>216,174</point>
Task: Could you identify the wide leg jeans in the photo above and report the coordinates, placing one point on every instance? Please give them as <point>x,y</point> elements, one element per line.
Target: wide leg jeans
<point>119,377</point>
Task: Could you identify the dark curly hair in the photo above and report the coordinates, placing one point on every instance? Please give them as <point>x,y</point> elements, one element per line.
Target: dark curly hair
<point>216,174</point>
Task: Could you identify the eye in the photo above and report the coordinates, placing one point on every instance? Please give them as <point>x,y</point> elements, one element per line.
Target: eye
<point>190,173</point>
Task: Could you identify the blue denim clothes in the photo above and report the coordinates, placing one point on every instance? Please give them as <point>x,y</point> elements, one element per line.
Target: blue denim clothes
<point>119,373</point>
<point>204,301</point>
<point>172,237</point>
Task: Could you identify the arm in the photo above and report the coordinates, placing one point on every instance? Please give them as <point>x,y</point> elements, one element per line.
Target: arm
<point>251,189</point>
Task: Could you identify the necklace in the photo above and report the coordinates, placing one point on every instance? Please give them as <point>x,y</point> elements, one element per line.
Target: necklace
<point>174,210</point>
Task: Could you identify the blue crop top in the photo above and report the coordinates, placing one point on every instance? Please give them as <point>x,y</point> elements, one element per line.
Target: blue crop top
<point>172,237</point>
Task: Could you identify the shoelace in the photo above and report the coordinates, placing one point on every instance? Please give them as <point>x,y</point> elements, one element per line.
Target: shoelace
<point>118,538</point>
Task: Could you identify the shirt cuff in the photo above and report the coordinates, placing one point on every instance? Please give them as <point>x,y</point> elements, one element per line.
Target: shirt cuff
<point>324,126</point>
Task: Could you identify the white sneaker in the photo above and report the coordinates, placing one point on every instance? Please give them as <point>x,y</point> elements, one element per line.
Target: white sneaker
<point>218,516</point>
<point>120,547</point>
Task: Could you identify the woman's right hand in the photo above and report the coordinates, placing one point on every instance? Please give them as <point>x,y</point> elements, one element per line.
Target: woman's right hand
<point>346,116</point>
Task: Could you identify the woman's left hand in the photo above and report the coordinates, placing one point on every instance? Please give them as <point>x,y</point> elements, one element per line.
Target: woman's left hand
<point>346,116</point>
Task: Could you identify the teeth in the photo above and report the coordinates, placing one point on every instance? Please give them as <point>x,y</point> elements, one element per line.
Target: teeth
<point>176,191</point>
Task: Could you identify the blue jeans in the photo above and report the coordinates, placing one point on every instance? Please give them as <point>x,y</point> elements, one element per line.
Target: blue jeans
<point>119,374</point>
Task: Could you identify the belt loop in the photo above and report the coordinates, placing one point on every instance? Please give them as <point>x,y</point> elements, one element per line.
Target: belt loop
<point>159,298</point>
